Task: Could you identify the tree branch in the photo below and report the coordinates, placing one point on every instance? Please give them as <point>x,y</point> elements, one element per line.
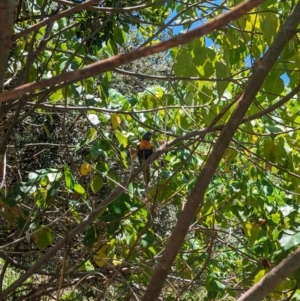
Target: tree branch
<point>115,9</point>
<point>6,26</point>
<point>50,20</point>
<point>268,283</point>
<point>173,78</point>
<point>116,61</point>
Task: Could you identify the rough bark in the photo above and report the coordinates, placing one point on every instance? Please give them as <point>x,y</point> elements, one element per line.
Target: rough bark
<point>195,200</point>
<point>116,61</point>
<point>6,31</point>
<point>269,282</point>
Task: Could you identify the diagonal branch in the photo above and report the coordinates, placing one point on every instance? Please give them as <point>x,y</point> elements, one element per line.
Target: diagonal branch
<point>269,282</point>
<point>50,20</point>
<point>116,61</point>
<point>115,9</point>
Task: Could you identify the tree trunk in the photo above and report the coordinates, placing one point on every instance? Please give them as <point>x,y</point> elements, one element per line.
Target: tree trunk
<point>6,31</point>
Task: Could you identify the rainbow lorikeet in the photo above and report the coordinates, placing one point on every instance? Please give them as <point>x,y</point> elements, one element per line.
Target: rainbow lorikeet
<point>144,151</point>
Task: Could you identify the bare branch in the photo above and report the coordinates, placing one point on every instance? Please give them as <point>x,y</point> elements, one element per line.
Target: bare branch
<point>172,78</point>
<point>116,61</point>
<point>115,9</point>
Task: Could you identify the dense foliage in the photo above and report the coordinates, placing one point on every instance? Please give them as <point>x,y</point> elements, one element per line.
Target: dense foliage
<point>66,149</point>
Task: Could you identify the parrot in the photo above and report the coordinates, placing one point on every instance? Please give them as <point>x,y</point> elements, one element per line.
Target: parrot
<point>144,151</point>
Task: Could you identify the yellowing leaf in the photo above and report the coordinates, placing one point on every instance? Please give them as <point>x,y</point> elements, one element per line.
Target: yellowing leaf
<point>251,231</point>
<point>115,120</point>
<point>40,197</point>
<point>85,169</point>
<point>100,257</point>
<point>116,262</point>
<point>259,276</point>
<point>253,139</point>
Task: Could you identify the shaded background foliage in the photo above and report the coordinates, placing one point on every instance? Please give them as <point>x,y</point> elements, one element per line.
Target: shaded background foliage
<point>67,148</point>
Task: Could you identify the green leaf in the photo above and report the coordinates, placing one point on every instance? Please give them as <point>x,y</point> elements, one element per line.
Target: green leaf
<point>132,100</point>
<point>71,297</point>
<point>259,276</point>
<point>276,218</point>
<point>56,96</point>
<point>272,151</point>
<point>91,135</point>
<point>149,99</point>
<point>112,179</point>
<point>44,181</point>
<point>237,186</point>
<point>269,26</point>
<point>69,179</point>
<point>290,50</point>
<point>9,201</point>
<point>40,198</point>
<point>221,72</point>
<point>273,85</point>
<point>91,236</point>
<point>43,238</point>
<point>112,46</point>
<point>212,295</point>
<point>120,205</point>
<point>116,97</point>
<point>96,183</point>
<point>232,39</point>
<point>53,188</point>
<point>121,138</point>
<point>203,57</point>
<point>79,189</point>
<point>119,35</point>
<point>274,129</point>
<point>184,65</point>
<point>87,266</point>
<point>207,207</point>
<point>216,285</point>
<point>207,114</point>
<point>289,239</point>
<point>147,239</point>
<point>21,222</point>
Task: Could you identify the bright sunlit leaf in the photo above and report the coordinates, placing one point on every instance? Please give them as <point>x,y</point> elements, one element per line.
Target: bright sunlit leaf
<point>85,169</point>
<point>115,120</point>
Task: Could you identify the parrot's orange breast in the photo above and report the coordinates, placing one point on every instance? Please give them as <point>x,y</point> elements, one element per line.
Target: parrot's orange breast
<point>145,144</point>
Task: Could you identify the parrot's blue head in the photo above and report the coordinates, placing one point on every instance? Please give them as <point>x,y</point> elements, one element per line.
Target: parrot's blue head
<point>147,136</point>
